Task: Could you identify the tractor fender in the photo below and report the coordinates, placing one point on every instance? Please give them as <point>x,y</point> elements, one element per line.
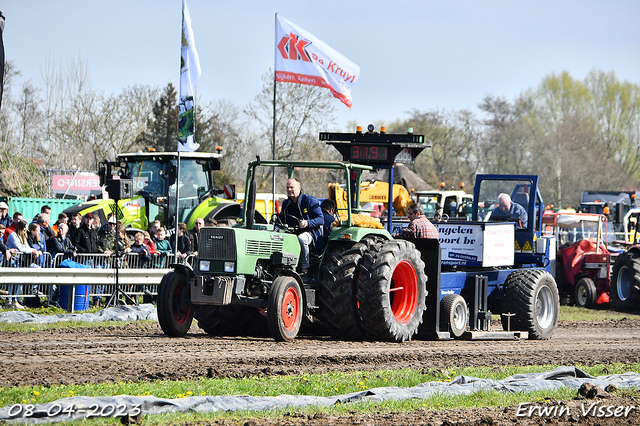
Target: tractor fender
<point>184,268</point>
<point>293,274</point>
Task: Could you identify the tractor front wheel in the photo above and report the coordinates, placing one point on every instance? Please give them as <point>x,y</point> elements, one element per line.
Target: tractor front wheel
<point>625,279</point>
<point>585,293</point>
<point>531,295</point>
<point>285,309</point>
<point>175,312</point>
<point>392,291</point>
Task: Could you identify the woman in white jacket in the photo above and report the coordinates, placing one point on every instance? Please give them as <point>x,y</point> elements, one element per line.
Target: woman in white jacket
<point>18,240</point>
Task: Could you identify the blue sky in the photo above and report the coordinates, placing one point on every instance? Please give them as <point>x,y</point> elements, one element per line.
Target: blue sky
<point>412,54</point>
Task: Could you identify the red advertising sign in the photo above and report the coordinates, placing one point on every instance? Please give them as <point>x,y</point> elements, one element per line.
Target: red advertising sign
<point>85,183</point>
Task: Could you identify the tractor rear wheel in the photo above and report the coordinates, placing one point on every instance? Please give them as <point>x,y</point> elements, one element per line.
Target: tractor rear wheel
<point>231,320</point>
<point>455,314</point>
<point>175,312</point>
<point>532,296</point>
<point>625,281</point>
<point>209,319</point>
<point>392,291</point>
<point>285,309</point>
<point>337,296</point>
<point>585,293</point>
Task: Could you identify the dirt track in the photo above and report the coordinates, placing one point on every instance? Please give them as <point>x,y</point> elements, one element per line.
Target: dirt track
<point>141,352</point>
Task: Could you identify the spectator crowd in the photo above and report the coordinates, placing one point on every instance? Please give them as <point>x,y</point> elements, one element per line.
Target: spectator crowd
<point>84,239</point>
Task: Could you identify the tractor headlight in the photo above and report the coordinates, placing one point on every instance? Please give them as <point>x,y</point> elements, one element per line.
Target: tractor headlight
<point>205,265</point>
<point>229,266</point>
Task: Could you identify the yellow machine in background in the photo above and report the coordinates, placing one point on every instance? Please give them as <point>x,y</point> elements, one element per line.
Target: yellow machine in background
<point>373,191</point>
<point>264,203</point>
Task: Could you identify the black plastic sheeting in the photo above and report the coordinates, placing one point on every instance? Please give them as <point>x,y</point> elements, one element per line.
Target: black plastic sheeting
<point>79,407</point>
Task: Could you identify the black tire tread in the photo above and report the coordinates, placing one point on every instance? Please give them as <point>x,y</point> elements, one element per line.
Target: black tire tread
<point>165,306</point>
<point>446,313</point>
<point>231,320</point>
<point>275,319</point>
<point>590,288</point>
<point>632,261</point>
<point>336,298</point>
<point>373,291</point>
<point>519,297</point>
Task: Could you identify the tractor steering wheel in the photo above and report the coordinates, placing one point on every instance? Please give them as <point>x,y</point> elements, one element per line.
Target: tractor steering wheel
<point>275,219</point>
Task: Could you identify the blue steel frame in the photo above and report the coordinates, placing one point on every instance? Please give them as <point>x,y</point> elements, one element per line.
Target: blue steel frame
<point>463,281</point>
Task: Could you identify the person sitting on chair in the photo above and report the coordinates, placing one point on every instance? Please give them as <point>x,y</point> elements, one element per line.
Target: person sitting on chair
<point>328,212</point>
<point>420,226</point>
<point>510,211</point>
<point>302,211</point>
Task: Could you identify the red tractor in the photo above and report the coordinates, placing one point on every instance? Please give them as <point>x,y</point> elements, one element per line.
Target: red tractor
<point>583,257</point>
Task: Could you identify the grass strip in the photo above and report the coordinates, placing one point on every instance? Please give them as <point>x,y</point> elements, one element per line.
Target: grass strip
<point>327,384</point>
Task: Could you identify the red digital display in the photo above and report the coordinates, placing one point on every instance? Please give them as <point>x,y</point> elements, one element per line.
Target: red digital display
<point>368,153</point>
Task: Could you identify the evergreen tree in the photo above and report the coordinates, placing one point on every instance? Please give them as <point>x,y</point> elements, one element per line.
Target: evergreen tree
<point>163,128</point>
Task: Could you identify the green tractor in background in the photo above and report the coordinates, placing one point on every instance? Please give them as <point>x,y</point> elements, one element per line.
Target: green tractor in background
<point>154,176</point>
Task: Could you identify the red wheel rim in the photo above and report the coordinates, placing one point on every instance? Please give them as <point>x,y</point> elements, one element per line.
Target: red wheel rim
<point>290,308</point>
<point>404,292</point>
<point>181,306</point>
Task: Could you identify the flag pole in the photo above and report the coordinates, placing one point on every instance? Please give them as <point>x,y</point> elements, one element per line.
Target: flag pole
<point>273,137</point>
<point>2,20</point>
<point>177,219</point>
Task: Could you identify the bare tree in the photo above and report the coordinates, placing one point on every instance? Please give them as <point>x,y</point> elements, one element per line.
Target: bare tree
<point>222,124</point>
<point>616,108</point>
<point>302,111</point>
<point>453,136</point>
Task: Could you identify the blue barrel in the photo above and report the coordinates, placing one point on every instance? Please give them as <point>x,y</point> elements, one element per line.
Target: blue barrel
<point>81,299</point>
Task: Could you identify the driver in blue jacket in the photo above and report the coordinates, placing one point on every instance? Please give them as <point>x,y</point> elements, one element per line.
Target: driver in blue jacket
<point>509,210</point>
<point>303,212</point>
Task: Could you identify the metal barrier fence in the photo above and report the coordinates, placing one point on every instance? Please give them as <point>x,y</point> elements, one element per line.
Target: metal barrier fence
<point>25,276</point>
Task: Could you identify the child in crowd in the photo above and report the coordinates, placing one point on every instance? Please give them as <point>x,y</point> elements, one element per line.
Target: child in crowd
<point>149,243</point>
<point>162,244</point>
<point>141,248</point>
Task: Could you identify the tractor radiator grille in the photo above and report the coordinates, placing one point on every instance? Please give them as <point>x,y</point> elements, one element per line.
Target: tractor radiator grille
<point>217,244</point>
<point>263,248</point>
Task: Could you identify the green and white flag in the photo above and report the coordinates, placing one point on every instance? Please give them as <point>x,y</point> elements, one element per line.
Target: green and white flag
<point>189,75</point>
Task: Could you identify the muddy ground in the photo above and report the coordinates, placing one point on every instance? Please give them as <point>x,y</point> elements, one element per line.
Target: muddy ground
<point>140,351</point>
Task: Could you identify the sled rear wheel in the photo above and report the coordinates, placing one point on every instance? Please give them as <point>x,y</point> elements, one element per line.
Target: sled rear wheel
<point>532,297</point>
<point>455,314</point>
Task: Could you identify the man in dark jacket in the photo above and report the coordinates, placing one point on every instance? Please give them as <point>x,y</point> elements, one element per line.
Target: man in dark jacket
<point>508,210</point>
<point>328,207</point>
<point>194,234</point>
<point>303,212</point>
<point>86,236</point>
<point>74,225</point>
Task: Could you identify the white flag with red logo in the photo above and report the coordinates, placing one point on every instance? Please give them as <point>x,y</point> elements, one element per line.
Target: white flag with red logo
<point>189,75</point>
<point>302,58</point>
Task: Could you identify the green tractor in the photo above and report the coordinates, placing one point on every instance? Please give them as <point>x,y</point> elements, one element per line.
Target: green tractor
<point>154,190</point>
<point>365,284</point>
